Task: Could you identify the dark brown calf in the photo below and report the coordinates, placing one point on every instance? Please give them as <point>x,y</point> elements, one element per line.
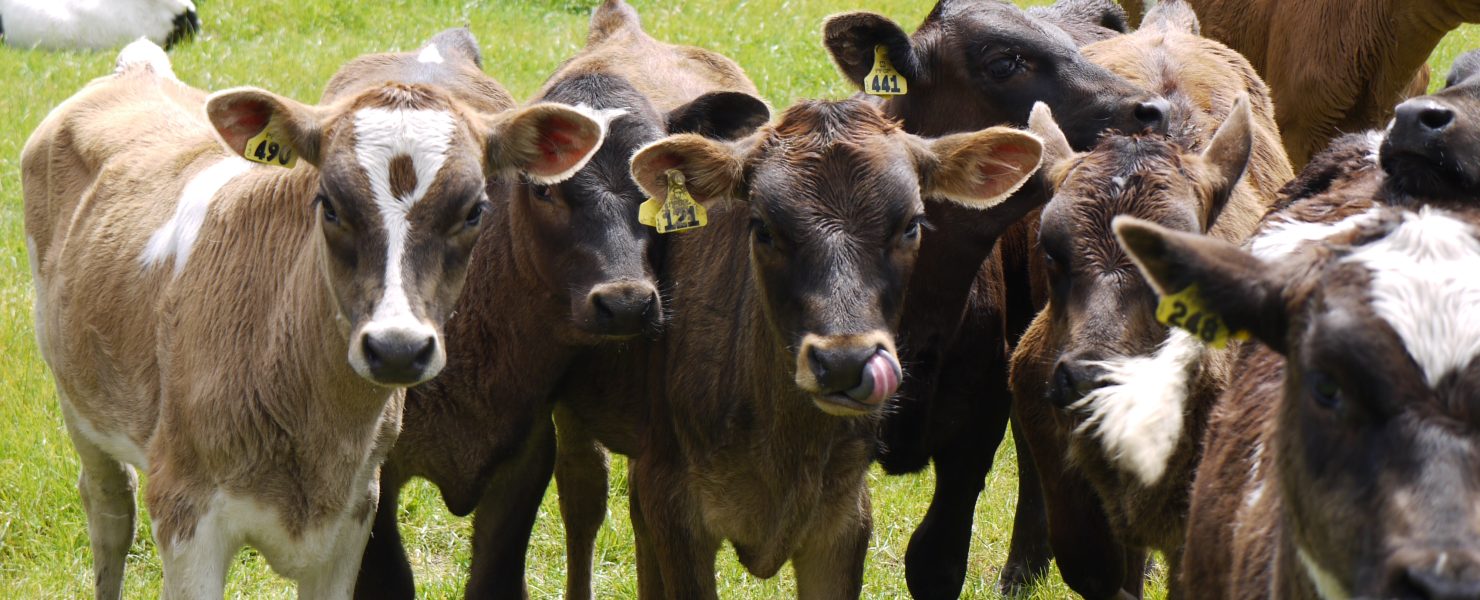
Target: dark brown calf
<point>974,64</point>
<point>564,267</point>
<point>764,395</point>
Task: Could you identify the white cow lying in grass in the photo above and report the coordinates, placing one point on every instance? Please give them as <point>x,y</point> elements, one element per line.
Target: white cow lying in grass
<point>95,24</point>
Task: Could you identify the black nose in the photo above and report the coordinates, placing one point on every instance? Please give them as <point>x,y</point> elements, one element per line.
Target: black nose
<point>1422,117</point>
<point>1073,379</point>
<point>1425,582</point>
<point>624,309</point>
<point>839,369</point>
<point>1152,114</point>
<point>398,358</point>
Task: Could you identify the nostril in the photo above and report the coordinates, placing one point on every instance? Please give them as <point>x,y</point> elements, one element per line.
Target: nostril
<point>603,310</point>
<point>1436,117</point>
<point>1153,113</point>
<point>819,368</point>
<point>372,355</point>
<point>426,354</point>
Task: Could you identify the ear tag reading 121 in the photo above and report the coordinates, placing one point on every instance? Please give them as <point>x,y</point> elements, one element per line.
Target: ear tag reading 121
<point>678,213</point>
<point>266,149</point>
<point>884,80</point>
<point>1185,309</point>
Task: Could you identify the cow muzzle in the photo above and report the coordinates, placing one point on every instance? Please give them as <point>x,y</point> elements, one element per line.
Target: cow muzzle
<point>397,355</point>
<point>849,375</point>
<point>621,310</point>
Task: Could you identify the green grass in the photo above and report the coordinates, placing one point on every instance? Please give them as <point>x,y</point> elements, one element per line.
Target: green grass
<point>292,47</point>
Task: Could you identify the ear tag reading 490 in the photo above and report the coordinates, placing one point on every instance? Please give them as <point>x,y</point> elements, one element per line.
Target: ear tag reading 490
<point>884,79</point>
<point>267,149</point>
<point>679,212</point>
<point>1185,309</point>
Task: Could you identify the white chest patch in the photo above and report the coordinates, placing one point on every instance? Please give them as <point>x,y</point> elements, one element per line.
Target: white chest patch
<point>1426,285</point>
<point>177,236</point>
<point>380,136</point>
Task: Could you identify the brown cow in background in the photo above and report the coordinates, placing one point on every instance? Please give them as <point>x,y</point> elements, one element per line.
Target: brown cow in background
<point>1334,66</point>
<point>1104,392</point>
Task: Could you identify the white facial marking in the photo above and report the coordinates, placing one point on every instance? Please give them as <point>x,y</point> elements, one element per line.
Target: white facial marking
<point>1426,285</point>
<point>1327,587</point>
<point>1286,237</point>
<point>176,237</point>
<point>1138,416</point>
<point>380,136</point>
<point>430,55</point>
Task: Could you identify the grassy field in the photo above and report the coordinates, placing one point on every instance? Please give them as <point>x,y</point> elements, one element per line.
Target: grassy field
<point>292,47</point>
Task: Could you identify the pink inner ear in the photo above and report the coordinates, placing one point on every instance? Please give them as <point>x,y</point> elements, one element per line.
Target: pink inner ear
<point>242,120</point>
<point>561,146</point>
<point>1006,164</point>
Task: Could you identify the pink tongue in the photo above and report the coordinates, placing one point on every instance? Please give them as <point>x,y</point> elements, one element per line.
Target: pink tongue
<point>885,377</point>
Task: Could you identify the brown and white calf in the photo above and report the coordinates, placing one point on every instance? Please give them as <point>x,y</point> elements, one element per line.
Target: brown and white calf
<point>242,332</point>
<point>1347,467</point>
<point>569,266</point>
<point>1108,394</point>
<point>756,424</point>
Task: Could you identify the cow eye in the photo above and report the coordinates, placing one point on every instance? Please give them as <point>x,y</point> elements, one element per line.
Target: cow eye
<point>542,192</point>
<point>330,215</point>
<point>762,232</point>
<point>1324,390</point>
<point>1004,67</point>
<point>912,233</point>
<point>475,215</point>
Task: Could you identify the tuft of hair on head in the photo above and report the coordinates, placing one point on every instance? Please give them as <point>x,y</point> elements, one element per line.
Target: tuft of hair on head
<point>143,55</point>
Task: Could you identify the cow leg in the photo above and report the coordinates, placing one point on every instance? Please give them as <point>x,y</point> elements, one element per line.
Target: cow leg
<point>385,571</point>
<point>504,519</point>
<point>194,567</point>
<point>108,488</point>
<point>1029,555</point>
<point>335,577</point>
<point>1137,561</point>
<point>649,577</point>
<point>581,471</point>
<point>684,557</point>
<point>935,562</point>
<point>832,567</point>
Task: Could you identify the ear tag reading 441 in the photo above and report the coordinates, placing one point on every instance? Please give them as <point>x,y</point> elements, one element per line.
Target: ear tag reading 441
<point>1185,309</point>
<point>679,212</point>
<point>267,149</point>
<point>884,79</point>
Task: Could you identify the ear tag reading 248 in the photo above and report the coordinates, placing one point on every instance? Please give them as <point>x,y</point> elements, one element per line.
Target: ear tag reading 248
<point>679,212</point>
<point>1185,309</point>
<point>884,79</point>
<point>267,149</point>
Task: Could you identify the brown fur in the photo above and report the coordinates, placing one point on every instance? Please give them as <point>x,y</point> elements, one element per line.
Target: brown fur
<point>482,431</point>
<point>1162,179</point>
<point>1334,66</point>
<point>229,370</point>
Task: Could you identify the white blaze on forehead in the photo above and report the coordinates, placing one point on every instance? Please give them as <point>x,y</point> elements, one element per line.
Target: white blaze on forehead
<point>380,136</point>
<point>430,55</point>
<point>176,237</point>
<point>1137,415</point>
<point>1426,285</point>
<point>1286,237</point>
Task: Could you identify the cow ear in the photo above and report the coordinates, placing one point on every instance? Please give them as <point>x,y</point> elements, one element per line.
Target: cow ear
<point>548,142</point>
<point>1227,157</point>
<point>241,114</point>
<point>1173,16</point>
<point>851,37</point>
<point>720,115</point>
<point>1245,292</point>
<point>983,168</point>
<point>712,170</point>
<point>1056,149</point>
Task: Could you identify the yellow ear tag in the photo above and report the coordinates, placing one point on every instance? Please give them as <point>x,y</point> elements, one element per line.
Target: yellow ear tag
<point>679,212</point>
<point>647,213</point>
<point>1185,309</point>
<point>266,149</point>
<point>884,80</point>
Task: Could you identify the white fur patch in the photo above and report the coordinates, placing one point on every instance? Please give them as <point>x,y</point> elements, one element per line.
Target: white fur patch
<point>1257,493</point>
<point>1327,587</point>
<point>1286,237</point>
<point>116,444</point>
<point>88,24</point>
<point>144,52</point>
<point>176,237</point>
<point>430,55</point>
<point>1138,416</point>
<point>380,136</point>
<point>1426,285</point>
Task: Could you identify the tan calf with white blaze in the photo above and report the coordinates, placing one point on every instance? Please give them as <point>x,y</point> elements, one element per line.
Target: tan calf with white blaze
<point>240,331</point>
